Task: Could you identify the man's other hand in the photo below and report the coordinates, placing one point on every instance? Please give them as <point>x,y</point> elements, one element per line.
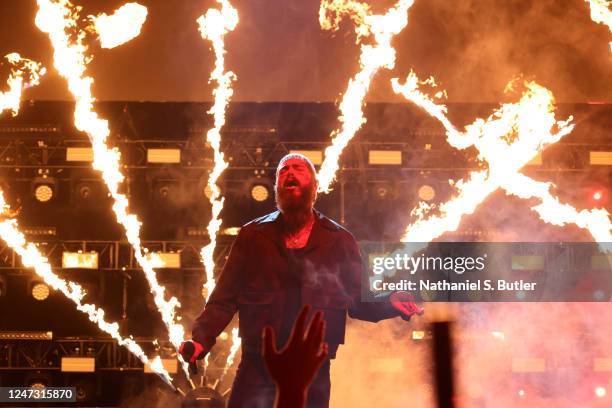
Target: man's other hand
<point>405,304</point>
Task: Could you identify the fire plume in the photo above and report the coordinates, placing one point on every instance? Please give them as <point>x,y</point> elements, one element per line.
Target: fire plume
<point>24,73</point>
<point>374,35</point>
<point>233,351</point>
<point>32,258</point>
<point>213,27</point>
<point>121,26</point>
<point>601,14</point>
<point>59,18</point>
<point>506,141</point>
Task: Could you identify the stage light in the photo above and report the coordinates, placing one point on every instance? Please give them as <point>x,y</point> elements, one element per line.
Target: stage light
<point>43,192</point>
<point>600,392</point>
<point>498,335</point>
<point>382,191</point>
<point>79,154</point>
<point>164,259</point>
<point>165,156</point>
<point>418,335</point>
<point>40,231</point>
<point>26,335</point>
<point>521,393</point>
<point>170,364</point>
<point>600,158</point>
<point>598,196</point>
<point>259,192</point>
<point>385,157</point>
<point>426,192</point>
<point>80,260</point>
<point>78,365</point>
<point>207,191</point>
<point>40,291</point>
<point>315,156</point>
<point>37,385</point>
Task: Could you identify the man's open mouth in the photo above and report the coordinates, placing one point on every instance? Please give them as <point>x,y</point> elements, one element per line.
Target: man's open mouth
<point>291,184</point>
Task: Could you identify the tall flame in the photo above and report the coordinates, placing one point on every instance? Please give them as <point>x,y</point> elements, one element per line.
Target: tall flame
<point>24,73</point>
<point>601,14</point>
<point>233,351</point>
<point>506,141</point>
<point>214,26</point>
<point>121,26</point>
<point>58,18</point>
<point>32,258</point>
<point>380,30</point>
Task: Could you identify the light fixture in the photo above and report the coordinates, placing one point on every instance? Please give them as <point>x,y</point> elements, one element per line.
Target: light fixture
<point>382,190</point>
<point>165,156</point>
<point>80,260</point>
<point>78,364</point>
<point>259,187</point>
<point>260,192</point>
<point>426,192</point>
<point>315,156</point>
<point>39,290</point>
<point>600,158</point>
<point>79,154</point>
<point>161,260</point>
<point>385,157</point>
<point>44,187</point>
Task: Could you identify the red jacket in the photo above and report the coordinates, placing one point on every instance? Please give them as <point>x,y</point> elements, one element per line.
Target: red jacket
<point>253,282</point>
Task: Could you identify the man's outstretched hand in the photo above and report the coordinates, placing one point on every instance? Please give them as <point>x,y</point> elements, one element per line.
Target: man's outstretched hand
<point>191,351</point>
<point>405,304</point>
<point>294,367</point>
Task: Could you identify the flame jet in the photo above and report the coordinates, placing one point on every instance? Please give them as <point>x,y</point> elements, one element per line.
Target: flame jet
<point>21,68</point>
<point>58,18</point>
<point>214,26</point>
<point>507,140</point>
<point>120,27</point>
<point>233,351</point>
<point>32,258</point>
<point>380,30</point>
<point>601,14</point>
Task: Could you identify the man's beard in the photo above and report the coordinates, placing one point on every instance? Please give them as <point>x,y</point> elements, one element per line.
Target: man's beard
<point>295,208</point>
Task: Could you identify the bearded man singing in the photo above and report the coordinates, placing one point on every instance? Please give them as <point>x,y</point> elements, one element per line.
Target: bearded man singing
<point>279,262</point>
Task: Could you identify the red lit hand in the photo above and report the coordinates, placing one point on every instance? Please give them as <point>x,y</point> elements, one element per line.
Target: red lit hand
<point>191,351</point>
<point>294,367</point>
<point>405,304</point>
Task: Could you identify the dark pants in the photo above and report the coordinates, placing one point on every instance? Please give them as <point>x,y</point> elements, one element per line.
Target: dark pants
<point>253,387</point>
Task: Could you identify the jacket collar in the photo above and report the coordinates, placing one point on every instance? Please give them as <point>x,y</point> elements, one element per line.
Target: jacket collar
<point>323,230</point>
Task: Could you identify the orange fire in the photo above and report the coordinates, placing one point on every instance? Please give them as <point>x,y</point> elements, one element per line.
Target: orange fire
<point>32,258</point>
<point>601,14</point>
<point>120,27</point>
<point>213,27</point>
<point>506,141</point>
<point>59,19</point>
<point>24,73</point>
<point>374,35</point>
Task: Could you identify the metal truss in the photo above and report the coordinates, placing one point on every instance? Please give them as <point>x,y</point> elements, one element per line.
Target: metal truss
<point>47,355</point>
<point>117,255</point>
